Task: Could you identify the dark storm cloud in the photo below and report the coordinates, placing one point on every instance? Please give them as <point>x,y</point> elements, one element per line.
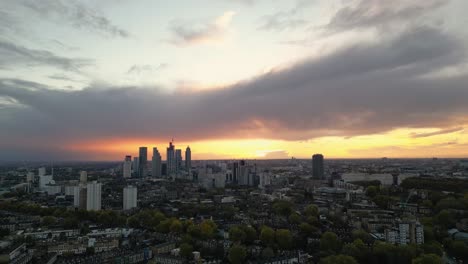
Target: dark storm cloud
<point>377,13</point>
<point>76,14</point>
<point>362,89</point>
<point>12,55</point>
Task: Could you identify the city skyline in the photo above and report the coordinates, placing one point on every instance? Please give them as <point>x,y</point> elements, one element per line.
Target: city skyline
<point>350,79</point>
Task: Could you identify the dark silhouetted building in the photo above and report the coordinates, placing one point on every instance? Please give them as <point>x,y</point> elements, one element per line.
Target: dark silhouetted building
<point>317,167</point>
<point>188,158</point>
<point>143,160</point>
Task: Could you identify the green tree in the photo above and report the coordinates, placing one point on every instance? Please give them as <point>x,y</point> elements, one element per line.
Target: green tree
<point>338,259</point>
<point>164,226</point>
<point>351,250</point>
<point>284,239</point>
<point>70,222</point>
<point>236,234</point>
<point>382,201</point>
<point>385,252</point>
<point>294,219</point>
<point>307,229</point>
<point>427,259</point>
<point>282,207</point>
<point>459,250</point>
<point>311,210</point>
<point>445,218</point>
<point>330,243</point>
<point>194,230</point>
<point>133,222</point>
<point>362,235</point>
<point>372,191</point>
<point>176,226</point>
<point>208,229</point>
<point>49,220</point>
<point>267,253</point>
<point>433,247</point>
<point>267,235</point>
<point>186,250</point>
<point>250,234</point>
<point>237,254</point>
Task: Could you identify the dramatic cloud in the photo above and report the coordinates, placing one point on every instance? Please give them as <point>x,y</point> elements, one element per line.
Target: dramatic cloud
<point>76,14</point>
<point>376,13</point>
<point>189,33</point>
<point>363,89</point>
<point>17,55</point>
<point>436,133</point>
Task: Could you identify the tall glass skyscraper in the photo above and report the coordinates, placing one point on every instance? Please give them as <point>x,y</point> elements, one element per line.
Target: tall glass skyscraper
<point>171,159</point>
<point>156,164</point>
<point>178,157</point>
<point>188,158</point>
<point>143,159</point>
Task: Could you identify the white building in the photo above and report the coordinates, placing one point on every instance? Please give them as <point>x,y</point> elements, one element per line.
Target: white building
<point>129,197</point>
<point>45,180</point>
<point>264,179</point>
<point>76,196</point>
<point>42,171</point>
<point>127,167</point>
<point>93,196</point>
<point>407,232</point>
<point>52,189</point>
<point>83,177</point>
<point>30,177</point>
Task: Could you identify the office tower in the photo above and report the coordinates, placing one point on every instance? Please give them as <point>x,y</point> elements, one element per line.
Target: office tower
<point>178,157</point>
<point>93,196</point>
<point>129,197</point>
<point>143,159</point>
<point>317,167</point>
<point>188,158</point>
<point>127,167</point>
<point>83,177</point>
<point>76,190</point>
<point>41,171</point>
<point>170,159</point>
<point>136,166</point>
<point>156,164</point>
<point>235,172</point>
<point>164,169</point>
<point>82,198</point>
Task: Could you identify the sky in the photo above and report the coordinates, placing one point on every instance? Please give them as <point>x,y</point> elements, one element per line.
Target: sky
<point>256,79</point>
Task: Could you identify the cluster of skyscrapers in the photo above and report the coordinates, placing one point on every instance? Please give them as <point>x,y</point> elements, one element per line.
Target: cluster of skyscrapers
<point>173,166</point>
